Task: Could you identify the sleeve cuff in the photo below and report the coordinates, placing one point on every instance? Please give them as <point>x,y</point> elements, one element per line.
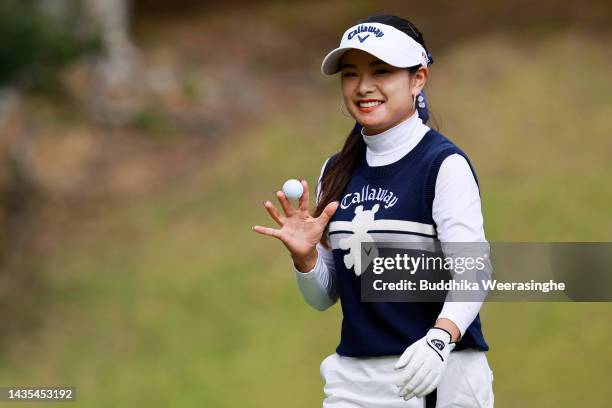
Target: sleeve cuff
<point>310,274</point>
<point>462,314</point>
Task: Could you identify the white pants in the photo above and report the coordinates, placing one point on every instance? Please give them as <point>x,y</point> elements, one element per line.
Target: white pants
<point>369,382</point>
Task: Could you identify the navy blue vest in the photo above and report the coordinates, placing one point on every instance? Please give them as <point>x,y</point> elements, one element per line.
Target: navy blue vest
<point>401,191</point>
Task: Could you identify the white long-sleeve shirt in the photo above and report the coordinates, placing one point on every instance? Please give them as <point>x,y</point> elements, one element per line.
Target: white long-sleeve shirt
<point>456,210</point>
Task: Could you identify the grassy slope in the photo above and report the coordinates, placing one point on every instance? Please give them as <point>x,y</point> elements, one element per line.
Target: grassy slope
<point>175,301</point>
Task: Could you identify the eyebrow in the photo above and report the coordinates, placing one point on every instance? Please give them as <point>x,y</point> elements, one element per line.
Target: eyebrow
<point>373,63</point>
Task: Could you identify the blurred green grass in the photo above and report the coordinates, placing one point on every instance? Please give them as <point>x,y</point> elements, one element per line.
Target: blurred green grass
<point>173,299</point>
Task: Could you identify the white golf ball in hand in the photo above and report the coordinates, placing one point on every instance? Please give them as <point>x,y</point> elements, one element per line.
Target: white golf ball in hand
<point>293,189</point>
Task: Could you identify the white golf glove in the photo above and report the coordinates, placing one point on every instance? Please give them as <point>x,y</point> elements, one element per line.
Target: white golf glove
<point>423,363</point>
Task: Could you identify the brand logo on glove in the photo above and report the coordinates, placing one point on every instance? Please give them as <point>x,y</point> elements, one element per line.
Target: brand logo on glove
<point>438,343</point>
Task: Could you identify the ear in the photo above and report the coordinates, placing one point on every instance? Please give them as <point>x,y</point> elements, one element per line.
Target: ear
<point>419,79</point>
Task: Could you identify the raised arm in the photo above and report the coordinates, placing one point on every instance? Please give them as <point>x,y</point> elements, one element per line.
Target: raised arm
<point>318,284</point>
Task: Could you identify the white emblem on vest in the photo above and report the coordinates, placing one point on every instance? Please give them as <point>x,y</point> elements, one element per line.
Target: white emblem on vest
<point>360,224</point>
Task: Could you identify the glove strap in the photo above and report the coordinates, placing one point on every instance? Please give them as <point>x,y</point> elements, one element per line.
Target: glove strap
<point>450,336</point>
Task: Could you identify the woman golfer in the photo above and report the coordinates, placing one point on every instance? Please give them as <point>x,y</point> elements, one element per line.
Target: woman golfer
<point>395,179</point>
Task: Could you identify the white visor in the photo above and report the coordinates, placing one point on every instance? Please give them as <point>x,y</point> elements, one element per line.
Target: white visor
<point>381,40</point>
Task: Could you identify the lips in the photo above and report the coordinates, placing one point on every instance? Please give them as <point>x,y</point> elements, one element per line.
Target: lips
<point>368,105</point>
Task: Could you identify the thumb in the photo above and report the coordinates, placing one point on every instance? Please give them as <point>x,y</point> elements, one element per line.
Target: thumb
<point>404,358</point>
<point>328,212</point>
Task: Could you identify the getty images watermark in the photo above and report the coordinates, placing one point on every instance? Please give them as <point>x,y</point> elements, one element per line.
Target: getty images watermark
<point>460,271</point>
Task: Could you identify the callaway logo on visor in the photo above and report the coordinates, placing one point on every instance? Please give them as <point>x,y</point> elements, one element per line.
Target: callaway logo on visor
<point>385,42</point>
<point>365,29</point>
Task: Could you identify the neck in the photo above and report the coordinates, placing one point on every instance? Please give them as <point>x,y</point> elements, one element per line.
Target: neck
<point>390,145</point>
<point>374,132</point>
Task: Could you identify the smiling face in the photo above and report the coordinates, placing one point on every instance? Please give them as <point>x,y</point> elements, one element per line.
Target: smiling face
<point>378,95</point>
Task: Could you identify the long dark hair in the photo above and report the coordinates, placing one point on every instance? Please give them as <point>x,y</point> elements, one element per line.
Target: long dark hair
<point>339,171</point>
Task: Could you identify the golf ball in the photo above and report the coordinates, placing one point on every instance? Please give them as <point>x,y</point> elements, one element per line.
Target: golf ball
<point>293,189</point>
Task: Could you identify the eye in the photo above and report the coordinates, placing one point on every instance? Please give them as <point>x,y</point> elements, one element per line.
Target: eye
<point>348,74</point>
<point>381,71</point>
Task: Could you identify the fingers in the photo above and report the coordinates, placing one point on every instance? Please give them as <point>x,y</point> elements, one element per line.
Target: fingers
<point>305,198</point>
<point>419,382</point>
<point>272,232</point>
<point>428,386</point>
<point>414,369</point>
<point>412,376</point>
<point>408,391</point>
<point>284,201</point>
<point>418,389</point>
<point>327,213</point>
<point>407,396</point>
<point>280,220</point>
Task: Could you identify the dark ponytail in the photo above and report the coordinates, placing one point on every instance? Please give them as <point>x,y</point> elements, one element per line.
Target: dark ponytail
<point>340,168</point>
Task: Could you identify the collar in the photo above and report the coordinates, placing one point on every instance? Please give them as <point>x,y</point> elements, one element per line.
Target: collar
<point>392,144</point>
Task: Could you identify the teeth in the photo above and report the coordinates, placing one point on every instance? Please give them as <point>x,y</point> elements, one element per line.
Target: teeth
<point>369,104</point>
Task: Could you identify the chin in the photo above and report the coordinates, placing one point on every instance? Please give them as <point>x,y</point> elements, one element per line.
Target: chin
<point>372,124</point>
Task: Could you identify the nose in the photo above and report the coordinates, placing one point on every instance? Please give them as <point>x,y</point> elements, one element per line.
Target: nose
<point>365,85</point>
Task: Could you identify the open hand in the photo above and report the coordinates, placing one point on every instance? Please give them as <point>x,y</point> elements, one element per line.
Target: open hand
<point>299,231</point>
